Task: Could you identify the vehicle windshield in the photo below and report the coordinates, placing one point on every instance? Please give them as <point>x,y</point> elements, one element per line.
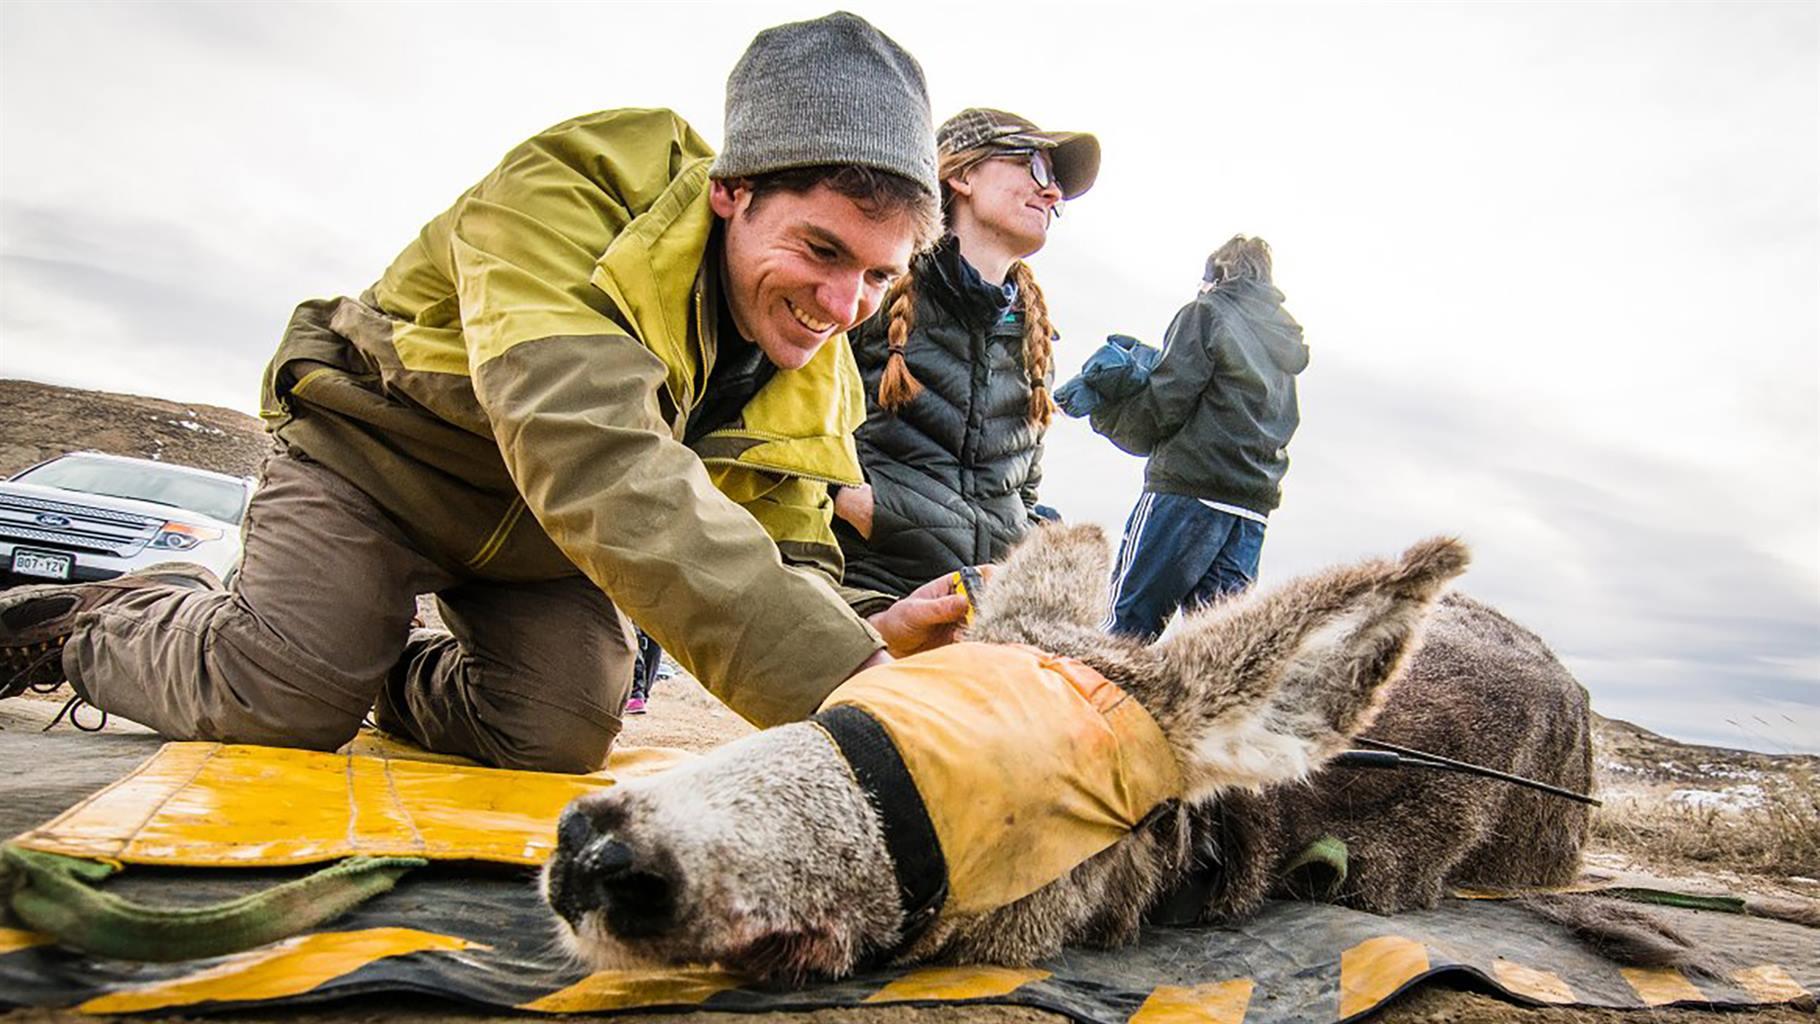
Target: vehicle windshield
<point>218,499</point>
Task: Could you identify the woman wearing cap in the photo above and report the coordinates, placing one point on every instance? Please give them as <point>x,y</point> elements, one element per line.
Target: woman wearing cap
<point>957,364</point>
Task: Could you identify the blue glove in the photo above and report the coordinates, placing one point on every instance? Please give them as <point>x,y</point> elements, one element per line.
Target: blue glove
<point>1076,397</point>
<point>1120,368</point>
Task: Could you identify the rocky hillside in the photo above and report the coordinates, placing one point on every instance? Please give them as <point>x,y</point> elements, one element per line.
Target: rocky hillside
<point>1633,752</point>
<point>43,420</point>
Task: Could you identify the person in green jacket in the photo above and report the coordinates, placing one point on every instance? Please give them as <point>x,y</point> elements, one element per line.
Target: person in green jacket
<point>610,381</point>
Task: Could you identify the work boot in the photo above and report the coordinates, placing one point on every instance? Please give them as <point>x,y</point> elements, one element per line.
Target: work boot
<point>36,620</point>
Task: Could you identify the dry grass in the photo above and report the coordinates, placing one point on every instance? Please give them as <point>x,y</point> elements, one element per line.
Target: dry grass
<point>1779,837</point>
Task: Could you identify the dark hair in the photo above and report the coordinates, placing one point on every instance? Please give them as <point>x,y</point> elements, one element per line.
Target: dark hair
<point>1240,259</point>
<point>880,194</point>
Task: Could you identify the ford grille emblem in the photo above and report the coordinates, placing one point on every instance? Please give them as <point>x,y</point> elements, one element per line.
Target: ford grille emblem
<point>48,519</point>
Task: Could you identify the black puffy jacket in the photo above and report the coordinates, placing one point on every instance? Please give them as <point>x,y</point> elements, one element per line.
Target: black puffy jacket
<point>954,471</point>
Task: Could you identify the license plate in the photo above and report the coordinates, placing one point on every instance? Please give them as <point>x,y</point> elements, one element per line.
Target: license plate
<point>42,563</point>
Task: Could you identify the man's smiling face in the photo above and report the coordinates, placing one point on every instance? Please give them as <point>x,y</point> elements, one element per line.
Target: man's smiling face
<point>802,267</point>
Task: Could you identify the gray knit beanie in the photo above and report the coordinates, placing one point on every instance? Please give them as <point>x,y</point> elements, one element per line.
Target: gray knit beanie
<point>830,91</point>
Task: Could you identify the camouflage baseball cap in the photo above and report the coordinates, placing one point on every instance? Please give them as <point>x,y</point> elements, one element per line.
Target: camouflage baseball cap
<point>1074,155</point>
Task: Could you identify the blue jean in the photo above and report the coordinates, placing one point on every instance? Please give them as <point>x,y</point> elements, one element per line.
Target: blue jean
<point>1178,553</point>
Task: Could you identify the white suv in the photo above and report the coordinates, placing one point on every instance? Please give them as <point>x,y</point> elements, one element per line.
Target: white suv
<point>88,516</point>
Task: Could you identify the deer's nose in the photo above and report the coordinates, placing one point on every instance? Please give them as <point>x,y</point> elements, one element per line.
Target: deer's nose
<point>596,871</point>
<point>570,887</point>
<point>605,860</point>
<point>638,898</point>
<point>573,832</point>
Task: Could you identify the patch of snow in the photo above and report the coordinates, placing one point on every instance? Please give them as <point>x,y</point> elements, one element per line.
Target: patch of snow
<point>1621,768</point>
<point>196,427</point>
<point>1732,798</point>
<point>1729,771</point>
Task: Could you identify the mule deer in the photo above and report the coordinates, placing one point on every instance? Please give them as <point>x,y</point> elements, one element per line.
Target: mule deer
<point>767,856</point>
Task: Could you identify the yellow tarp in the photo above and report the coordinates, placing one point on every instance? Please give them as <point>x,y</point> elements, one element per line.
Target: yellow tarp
<point>215,805</point>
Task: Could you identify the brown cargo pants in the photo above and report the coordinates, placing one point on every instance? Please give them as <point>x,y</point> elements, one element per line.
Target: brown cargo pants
<point>316,630</point>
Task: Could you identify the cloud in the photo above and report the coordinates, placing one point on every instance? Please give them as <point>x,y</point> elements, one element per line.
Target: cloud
<point>135,305</point>
<point>1668,587</point>
<point>1556,263</point>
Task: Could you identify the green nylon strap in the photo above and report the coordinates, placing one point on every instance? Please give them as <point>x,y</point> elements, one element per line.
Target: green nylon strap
<point>1635,894</point>
<point>1665,898</point>
<point>1319,872</point>
<point>55,895</point>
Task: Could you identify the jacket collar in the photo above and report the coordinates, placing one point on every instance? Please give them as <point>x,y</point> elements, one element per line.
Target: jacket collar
<point>653,271</point>
<point>662,275</point>
<point>957,285</point>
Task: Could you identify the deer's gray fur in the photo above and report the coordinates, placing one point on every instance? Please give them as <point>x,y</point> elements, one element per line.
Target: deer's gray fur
<point>765,856</point>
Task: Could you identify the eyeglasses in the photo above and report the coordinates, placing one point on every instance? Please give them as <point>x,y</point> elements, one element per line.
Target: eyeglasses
<point>1041,170</point>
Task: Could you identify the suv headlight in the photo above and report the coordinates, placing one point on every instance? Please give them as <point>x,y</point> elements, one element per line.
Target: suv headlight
<point>182,536</point>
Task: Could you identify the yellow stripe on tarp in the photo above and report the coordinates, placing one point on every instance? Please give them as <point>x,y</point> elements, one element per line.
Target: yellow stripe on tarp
<point>637,762</point>
<point>1373,970</point>
<point>485,813</point>
<point>947,983</point>
<point>1770,983</point>
<point>1537,984</point>
<point>283,969</point>
<point>621,990</point>
<point>1659,986</point>
<point>213,805</point>
<point>622,763</point>
<point>12,940</point>
<point>1223,1002</point>
<point>377,815</point>
<point>101,825</point>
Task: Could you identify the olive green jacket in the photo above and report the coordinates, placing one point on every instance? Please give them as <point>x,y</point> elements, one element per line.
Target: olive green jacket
<point>514,391</point>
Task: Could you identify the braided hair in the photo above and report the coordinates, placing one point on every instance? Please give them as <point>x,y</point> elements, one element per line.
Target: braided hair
<point>898,386</point>
<point>1039,339</point>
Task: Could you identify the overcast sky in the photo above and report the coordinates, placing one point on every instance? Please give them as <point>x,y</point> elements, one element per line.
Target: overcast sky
<point>1557,262</point>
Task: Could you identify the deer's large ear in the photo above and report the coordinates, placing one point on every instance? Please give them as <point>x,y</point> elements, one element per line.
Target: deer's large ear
<point>1057,575</point>
<point>1275,683</point>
